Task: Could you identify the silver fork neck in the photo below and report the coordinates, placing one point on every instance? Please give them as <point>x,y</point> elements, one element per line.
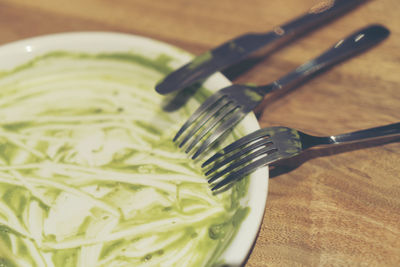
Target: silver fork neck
<point>311,140</point>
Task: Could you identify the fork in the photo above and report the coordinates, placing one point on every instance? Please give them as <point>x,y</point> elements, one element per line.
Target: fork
<point>224,109</point>
<point>269,145</point>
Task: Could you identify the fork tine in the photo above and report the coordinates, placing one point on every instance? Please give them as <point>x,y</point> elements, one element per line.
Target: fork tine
<point>268,159</point>
<point>239,153</point>
<point>265,150</point>
<point>222,128</point>
<point>228,110</point>
<point>198,112</point>
<point>237,144</point>
<point>219,105</point>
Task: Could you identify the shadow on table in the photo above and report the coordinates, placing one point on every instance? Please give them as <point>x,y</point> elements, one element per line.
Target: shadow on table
<point>291,164</point>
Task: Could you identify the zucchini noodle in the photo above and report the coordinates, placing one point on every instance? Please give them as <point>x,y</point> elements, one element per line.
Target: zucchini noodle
<point>89,175</point>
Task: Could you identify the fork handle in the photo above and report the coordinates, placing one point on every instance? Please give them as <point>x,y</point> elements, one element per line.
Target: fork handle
<point>371,133</point>
<point>345,48</point>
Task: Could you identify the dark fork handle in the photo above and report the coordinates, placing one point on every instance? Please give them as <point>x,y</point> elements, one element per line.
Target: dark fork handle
<point>350,46</point>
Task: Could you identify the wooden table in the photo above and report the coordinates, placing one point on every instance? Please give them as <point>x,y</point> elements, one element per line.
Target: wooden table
<point>330,207</point>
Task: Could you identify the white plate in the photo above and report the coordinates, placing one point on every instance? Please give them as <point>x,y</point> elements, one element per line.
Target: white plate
<point>16,53</point>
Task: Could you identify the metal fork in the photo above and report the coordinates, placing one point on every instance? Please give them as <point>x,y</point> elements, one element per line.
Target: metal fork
<point>269,145</point>
<point>229,105</point>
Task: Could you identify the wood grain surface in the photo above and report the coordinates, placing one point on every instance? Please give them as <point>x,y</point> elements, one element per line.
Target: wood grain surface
<point>328,207</point>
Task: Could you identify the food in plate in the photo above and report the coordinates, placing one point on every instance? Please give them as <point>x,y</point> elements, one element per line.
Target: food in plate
<point>89,175</point>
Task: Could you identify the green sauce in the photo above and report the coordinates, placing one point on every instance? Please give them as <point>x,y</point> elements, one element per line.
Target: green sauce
<point>199,60</point>
<point>89,175</point>
<point>253,95</point>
